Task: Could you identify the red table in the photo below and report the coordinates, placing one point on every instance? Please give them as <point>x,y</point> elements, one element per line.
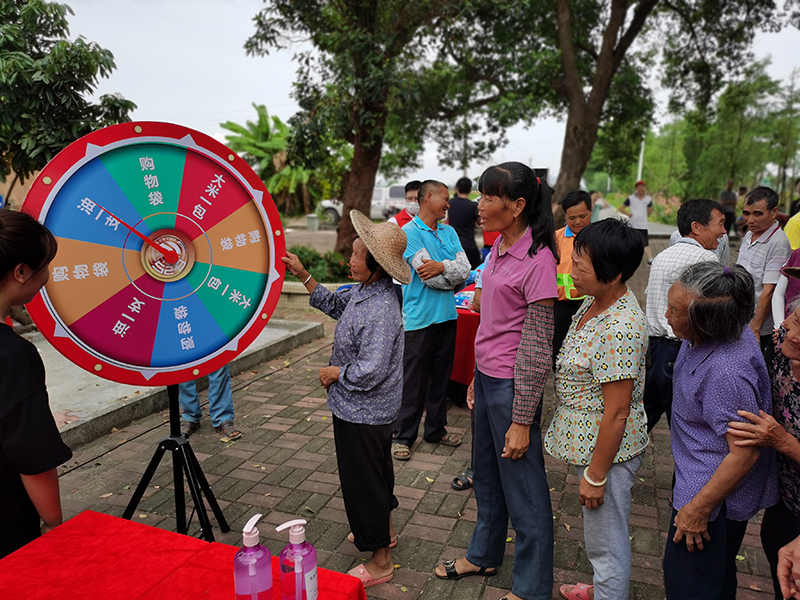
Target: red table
<point>95,556</point>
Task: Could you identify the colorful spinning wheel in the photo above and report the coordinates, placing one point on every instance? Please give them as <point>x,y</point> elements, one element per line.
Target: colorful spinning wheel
<point>190,299</point>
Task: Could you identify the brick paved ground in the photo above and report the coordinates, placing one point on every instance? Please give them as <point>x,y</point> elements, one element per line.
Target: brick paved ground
<point>285,467</point>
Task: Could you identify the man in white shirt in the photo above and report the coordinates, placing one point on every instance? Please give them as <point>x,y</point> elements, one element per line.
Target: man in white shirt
<point>638,207</point>
<point>765,249</point>
<point>701,223</point>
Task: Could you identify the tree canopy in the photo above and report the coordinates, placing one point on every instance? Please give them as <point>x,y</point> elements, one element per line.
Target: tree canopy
<point>390,75</point>
<point>44,83</point>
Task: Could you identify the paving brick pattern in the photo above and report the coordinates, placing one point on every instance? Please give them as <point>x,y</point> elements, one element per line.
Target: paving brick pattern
<point>285,467</point>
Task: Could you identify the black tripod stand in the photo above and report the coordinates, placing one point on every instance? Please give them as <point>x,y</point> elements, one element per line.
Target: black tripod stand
<point>183,461</point>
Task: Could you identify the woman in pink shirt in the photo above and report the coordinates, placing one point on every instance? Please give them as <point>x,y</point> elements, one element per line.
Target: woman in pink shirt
<point>513,352</point>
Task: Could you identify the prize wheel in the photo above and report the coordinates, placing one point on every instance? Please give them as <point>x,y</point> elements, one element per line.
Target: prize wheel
<point>189,300</point>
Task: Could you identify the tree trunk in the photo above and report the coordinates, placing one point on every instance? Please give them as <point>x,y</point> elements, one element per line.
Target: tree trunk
<point>360,179</point>
<point>11,189</point>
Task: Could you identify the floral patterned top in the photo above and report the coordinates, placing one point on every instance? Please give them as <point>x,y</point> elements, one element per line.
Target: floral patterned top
<point>609,347</point>
<point>786,410</point>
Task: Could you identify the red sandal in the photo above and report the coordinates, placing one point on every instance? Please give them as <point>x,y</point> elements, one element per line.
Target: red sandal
<point>579,591</point>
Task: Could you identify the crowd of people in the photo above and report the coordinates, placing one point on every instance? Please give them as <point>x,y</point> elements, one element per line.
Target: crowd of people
<point>717,352</point>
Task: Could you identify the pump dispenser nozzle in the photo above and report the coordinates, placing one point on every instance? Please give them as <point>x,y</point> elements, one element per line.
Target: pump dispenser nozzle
<point>250,535</point>
<point>297,533</point>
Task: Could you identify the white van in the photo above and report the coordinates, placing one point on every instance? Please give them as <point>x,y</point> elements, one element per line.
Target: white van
<point>386,202</point>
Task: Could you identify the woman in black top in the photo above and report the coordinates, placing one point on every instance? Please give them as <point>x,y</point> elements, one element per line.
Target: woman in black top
<point>30,445</point>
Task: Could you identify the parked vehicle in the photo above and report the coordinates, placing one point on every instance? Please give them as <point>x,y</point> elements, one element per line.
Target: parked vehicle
<point>386,201</point>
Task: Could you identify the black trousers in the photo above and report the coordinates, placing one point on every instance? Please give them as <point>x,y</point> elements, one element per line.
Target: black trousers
<point>427,363</point>
<point>563,312</point>
<point>767,350</point>
<point>707,574</point>
<point>779,527</point>
<point>658,379</point>
<point>364,457</point>
<point>730,219</point>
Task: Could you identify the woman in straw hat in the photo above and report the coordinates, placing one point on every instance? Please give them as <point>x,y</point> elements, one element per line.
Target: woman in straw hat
<point>365,384</point>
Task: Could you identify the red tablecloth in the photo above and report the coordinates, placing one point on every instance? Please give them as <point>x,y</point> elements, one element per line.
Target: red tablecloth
<point>94,556</point>
<point>464,360</point>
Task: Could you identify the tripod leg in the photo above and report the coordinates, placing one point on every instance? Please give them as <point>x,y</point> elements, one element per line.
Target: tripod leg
<point>197,497</point>
<point>212,500</point>
<point>144,482</point>
<point>180,499</point>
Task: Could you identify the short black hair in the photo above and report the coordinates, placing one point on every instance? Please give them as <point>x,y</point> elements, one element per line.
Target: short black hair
<point>696,210</point>
<point>762,192</point>
<point>464,185</point>
<point>615,248</point>
<point>575,198</point>
<point>743,189</point>
<point>413,185</point>
<point>429,185</point>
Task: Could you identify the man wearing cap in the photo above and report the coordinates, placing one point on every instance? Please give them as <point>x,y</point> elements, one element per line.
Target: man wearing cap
<point>638,207</point>
<point>438,265</point>
<point>765,249</point>
<point>701,224</point>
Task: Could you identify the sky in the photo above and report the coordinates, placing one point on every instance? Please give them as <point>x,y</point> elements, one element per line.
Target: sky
<point>183,61</point>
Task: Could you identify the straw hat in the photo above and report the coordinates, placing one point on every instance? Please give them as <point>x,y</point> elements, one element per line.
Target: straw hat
<point>386,242</point>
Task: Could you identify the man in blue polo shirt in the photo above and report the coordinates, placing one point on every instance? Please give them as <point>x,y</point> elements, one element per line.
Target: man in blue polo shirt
<point>438,266</point>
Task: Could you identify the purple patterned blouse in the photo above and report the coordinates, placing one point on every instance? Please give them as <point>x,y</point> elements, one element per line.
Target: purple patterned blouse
<point>368,347</point>
<point>711,382</point>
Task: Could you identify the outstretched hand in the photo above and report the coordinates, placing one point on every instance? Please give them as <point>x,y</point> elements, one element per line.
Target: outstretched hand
<point>763,430</point>
<point>294,265</point>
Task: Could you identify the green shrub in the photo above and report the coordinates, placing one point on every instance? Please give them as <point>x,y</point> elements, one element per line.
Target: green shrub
<point>328,268</point>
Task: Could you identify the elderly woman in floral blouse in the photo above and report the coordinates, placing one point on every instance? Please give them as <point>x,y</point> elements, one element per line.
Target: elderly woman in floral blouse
<point>365,384</point>
<point>781,522</point>
<point>600,425</point>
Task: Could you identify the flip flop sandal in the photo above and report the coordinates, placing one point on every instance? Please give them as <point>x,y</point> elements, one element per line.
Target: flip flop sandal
<point>189,427</point>
<point>368,580</point>
<point>450,439</point>
<point>463,481</point>
<point>580,591</point>
<point>351,538</point>
<point>227,429</point>
<point>400,452</point>
<point>452,574</point>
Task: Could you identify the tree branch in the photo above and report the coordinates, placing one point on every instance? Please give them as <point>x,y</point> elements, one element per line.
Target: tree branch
<point>572,82</point>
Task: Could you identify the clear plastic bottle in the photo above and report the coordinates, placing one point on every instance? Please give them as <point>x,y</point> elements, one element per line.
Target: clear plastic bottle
<point>298,564</point>
<point>252,566</point>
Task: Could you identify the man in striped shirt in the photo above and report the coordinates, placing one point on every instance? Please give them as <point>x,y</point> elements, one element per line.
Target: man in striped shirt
<point>701,223</point>
<point>765,249</point>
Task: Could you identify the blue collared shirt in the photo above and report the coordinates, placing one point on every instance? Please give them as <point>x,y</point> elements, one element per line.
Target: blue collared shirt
<point>423,305</point>
<point>368,349</point>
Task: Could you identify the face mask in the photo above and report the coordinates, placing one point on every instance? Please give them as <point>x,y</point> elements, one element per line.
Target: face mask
<point>412,208</point>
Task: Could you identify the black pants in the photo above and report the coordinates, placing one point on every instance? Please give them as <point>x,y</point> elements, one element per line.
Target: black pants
<point>767,350</point>
<point>563,312</point>
<point>730,219</point>
<point>707,574</point>
<point>658,379</point>
<point>427,363</point>
<point>364,457</point>
<point>779,527</point>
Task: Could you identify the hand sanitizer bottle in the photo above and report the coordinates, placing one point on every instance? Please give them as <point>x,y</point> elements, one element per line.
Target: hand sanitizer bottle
<point>252,566</point>
<point>298,564</point>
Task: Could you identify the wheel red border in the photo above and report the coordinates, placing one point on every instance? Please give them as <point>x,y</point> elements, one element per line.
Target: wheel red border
<point>59,167</point>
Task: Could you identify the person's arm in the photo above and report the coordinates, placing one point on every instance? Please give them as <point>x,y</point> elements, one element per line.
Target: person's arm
<point>691,521</point>
<point>763,308</point>
<point>617,397</point>
<point>43,491</point>
<point>531,368</point>
<point>789,569</point>
<point>764,431</point>
<point>624,208</point>
<point>779,301</point>
<point>476,300</point>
